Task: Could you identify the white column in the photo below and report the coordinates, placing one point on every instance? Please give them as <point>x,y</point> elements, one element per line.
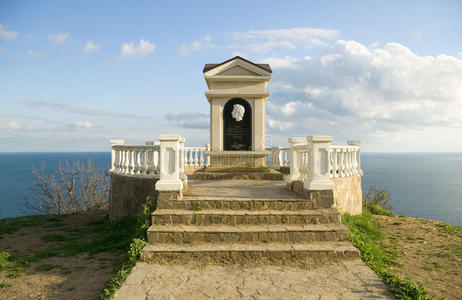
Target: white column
<point>294,171</point>
<point>181,158</point>
<point>207,154</point>
<point>169,163</point>
<point>113,152</point>
<point>318,174</point>
<point>358,155</point>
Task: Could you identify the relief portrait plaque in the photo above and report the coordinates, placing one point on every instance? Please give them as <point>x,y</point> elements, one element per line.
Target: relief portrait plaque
<point>237,118</point>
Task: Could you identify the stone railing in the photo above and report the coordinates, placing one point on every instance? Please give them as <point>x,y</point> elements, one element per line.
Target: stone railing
<point>344,161</point>
<point>196,156</point>
<point>314,161</point>
<point>279,157</point>
<point>135,160</point>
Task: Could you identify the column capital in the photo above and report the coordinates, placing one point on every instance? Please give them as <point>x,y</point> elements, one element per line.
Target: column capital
<point>297,140</point>
<point>319,138</point>
<point>354,143</point>
<point>117,142</point>
<point>169,137</point>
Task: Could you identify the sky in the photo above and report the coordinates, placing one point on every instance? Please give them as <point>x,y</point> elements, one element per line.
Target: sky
<point>75,74</point>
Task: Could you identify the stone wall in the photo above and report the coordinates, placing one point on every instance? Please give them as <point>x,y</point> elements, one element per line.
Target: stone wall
<point>129,193</point>
<point>348,194</point>
<point>346,197</point>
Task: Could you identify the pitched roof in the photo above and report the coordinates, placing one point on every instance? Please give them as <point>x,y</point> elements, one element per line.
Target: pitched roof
<point>209,67</point>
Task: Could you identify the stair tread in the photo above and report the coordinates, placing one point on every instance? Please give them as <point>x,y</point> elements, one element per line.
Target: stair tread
<point>237,198</point>
<point>309,212</point>
<point>247,228</point>
<point>317,246</point>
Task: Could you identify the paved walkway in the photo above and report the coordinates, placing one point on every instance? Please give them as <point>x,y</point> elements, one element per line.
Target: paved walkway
<point>340,280</point>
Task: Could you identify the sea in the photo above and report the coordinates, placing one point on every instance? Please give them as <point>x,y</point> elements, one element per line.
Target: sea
<point>425,185</point>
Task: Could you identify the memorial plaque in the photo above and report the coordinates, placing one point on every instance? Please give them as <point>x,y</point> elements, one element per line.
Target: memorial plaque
<point>237,118</point>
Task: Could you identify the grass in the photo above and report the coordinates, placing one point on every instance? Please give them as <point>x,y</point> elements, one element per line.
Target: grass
<point>135,239</point>
<point>366,235</point>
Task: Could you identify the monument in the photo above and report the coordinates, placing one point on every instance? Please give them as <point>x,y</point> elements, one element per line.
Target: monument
<point>237,95</point>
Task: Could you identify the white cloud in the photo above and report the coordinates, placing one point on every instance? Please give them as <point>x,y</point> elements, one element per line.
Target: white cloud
<point>263,41</point>
<point>83,125</point>
<point>204,43</point>
<point>278,124</point>
<point>7,35</point>
<point>90,47</point>
<point>12,125</point>
<point>351,91</point>
<point>274,62</point>
<point>33,54</point>
<point>58,38</point>
<point>131,50</point>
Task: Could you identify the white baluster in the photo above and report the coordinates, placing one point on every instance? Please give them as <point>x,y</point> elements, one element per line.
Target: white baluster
<point>143,165</point>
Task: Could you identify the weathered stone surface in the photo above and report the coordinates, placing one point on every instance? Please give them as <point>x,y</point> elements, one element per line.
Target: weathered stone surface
<point>238,175</point>
<point>165,199</point>
<point>348,195</point>
<point>340,280</point>
<point>129,193</point>
<point>321,199</point>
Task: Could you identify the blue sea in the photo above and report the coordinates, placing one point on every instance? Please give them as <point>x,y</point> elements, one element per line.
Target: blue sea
<point>426,185</point>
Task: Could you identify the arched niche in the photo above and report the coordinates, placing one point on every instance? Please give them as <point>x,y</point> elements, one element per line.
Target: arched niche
<point>237,135</point>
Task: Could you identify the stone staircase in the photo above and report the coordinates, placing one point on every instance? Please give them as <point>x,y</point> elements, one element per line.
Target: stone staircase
<point>239,220</point>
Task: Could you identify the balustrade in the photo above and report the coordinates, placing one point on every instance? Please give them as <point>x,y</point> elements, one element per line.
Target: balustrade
<point>135,160</point>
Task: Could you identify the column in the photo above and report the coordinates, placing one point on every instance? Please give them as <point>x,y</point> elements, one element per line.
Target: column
<point>115,156</point>
<point>358,155</point>
<point>293,163</point>
<point>169,163</point>
<point>318,174</point>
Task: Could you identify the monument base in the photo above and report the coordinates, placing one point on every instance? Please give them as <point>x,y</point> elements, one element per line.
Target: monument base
<point>237,158</point>
<point>237,173</point>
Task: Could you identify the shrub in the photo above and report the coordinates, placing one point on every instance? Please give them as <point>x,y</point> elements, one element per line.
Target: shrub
<point>377,200</point>
<point>70,189</point>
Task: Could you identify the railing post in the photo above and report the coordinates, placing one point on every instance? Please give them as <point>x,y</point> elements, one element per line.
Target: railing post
<point>181,158</point>
<point>294,171</point>
<point>207,154</point>
<point>169,163</point>
<point>115,155</point>
<point>358,155</point>
<point>318,174</point>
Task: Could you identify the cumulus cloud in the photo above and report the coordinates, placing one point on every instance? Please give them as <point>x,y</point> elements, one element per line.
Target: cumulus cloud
<point>278,124</point>
<point>204,43</point>
<point>82,125</point>
<point>90,47</point>
<point>7,35</point>
<point>58,38</point>
<point>263,41</point>
<point>189,120</point>
<point>34,54</point>
<point>382,89</point>
<point>132,50</point>
<point>12,125</point>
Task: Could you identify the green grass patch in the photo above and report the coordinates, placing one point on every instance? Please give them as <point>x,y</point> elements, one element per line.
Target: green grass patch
<point>136,240</point>
<point>450,229</point>
<point>5,285</point>
<point>12,265</point>
<point>54,238</point>
<point>366,235</point>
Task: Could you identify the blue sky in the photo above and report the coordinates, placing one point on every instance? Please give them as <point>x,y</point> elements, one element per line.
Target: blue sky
<point>75,74</point>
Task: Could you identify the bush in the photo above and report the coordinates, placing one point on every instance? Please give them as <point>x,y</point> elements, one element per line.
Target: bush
<point>377,201</point>
<point>70,189</point>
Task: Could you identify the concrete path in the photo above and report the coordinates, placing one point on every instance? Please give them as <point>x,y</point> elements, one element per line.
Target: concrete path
<point>340,280</point>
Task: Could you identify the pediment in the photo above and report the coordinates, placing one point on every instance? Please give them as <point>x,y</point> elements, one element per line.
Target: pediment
<point>238,70</point>
<point>238,67</point>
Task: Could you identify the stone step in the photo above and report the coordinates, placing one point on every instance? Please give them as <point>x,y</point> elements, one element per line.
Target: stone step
<point>191,202</point>
<point>237,252</point>
<point>246,233</point>
<point>201,175</point>
<point>243,217</point>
